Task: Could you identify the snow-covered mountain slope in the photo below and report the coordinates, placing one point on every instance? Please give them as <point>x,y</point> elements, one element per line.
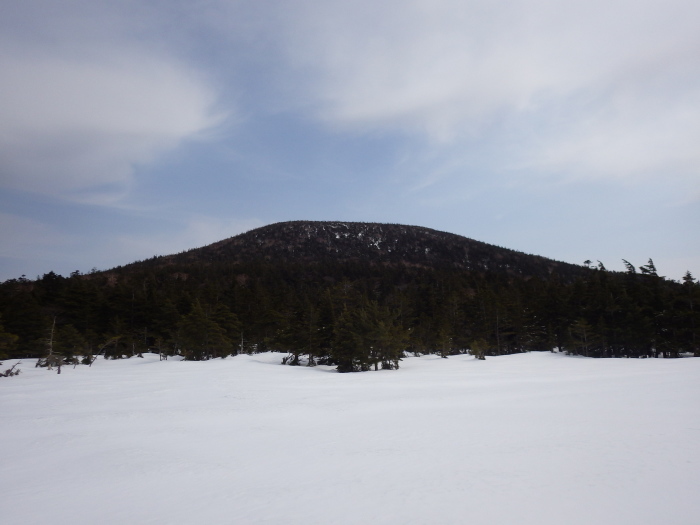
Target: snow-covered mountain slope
<point>535,438</point>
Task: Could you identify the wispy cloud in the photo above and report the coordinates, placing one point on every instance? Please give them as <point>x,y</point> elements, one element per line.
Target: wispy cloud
<point>77,117</point>
<point>593,88</point>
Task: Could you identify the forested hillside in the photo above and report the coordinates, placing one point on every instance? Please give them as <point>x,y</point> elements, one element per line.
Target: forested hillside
<point>355,295</point>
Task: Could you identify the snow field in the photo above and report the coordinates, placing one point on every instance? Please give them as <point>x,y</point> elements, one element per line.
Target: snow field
<point>531,438</point>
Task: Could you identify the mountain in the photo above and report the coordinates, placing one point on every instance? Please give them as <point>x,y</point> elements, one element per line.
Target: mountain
<point>371,244</point>
<point>359,295</point>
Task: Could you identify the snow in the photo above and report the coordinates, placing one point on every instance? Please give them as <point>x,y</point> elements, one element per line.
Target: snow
<point>535,438</point>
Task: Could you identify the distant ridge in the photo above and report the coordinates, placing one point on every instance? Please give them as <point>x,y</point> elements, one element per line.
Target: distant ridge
<point>376,244</point>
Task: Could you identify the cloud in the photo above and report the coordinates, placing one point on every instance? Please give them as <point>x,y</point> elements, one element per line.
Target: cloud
<point>598,88</point>
<point>635,133</point>
<point>77,117</point>
<point>593,89</point>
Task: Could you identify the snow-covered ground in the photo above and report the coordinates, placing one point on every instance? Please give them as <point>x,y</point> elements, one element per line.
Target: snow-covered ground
<point>535,438</point>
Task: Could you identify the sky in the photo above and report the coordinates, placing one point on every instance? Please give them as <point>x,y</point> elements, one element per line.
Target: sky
<point>130,129</point>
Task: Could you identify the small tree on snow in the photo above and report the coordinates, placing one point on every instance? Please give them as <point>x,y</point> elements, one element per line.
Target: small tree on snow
<point>52,357</point>
<point>478,349</point>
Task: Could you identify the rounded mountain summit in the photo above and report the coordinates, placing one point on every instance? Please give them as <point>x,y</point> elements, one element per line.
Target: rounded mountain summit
<point>368,244</point>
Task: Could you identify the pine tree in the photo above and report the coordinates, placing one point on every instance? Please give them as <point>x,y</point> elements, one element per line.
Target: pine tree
<point>649,269</point>
<point>347,350</point>
<point>200,338</point>
<point>8,342</point>
<point>479,348</point>
<point>691,319</point>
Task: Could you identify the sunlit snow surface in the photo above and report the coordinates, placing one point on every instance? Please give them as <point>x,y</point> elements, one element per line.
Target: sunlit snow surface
<point>535,438</point>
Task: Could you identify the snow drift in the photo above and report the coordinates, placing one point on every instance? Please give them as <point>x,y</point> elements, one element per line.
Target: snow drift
<point>529,438</point>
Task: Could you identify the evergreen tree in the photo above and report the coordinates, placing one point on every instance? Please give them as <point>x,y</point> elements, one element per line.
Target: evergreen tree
<point>8,342</point>
<point>348,351</point>
<point>649,269</point>
<point>201,338</point>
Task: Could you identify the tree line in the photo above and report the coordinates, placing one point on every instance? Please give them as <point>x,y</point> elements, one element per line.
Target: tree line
<point>348,314</point>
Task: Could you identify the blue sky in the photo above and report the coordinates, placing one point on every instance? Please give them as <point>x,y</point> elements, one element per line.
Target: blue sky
<point>137,128</point>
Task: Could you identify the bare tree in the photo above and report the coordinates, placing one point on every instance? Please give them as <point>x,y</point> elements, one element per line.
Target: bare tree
<point>52,359</point>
